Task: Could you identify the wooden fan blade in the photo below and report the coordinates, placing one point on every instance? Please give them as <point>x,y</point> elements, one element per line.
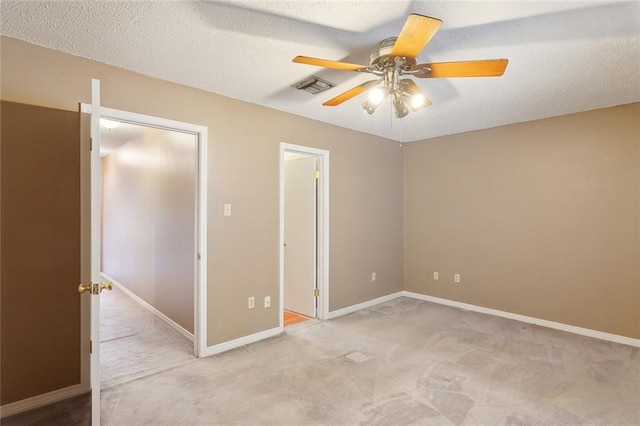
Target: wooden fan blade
<point>485,68</point>
<point>328,64</point>
<point>351,93</point>
<point>416,89</point>
<point>415,35</point>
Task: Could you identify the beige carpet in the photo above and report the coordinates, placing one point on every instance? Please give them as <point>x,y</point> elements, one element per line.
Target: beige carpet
<point>134,343</point>
<point>405,362</point>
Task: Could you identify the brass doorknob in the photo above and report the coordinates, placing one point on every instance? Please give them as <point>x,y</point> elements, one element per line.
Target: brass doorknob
<point>95,288</point>
<point>84,287</point>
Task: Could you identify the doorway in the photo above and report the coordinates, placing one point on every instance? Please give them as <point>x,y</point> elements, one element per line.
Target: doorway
<point>304,230</point>
<point>148,192</point>
<point>138,125</point>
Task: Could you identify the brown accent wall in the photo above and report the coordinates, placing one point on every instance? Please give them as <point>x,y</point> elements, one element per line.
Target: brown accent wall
<point>539,218</point>
<point>40,251</point>
<point>366,183</point>
<point>148,221</point>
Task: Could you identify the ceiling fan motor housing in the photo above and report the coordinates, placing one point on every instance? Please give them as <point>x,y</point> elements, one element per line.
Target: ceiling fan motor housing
<point>380,58</point>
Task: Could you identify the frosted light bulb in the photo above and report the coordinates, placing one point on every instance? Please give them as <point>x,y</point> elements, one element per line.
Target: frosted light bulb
<point>417,100</point>
<point>376,95</point>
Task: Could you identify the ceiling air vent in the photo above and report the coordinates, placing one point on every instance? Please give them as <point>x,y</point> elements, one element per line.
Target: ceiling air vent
<point>313,85</point>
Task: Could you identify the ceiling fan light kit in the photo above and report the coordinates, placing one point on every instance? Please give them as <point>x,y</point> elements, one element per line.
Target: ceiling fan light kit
<point>395,58</point>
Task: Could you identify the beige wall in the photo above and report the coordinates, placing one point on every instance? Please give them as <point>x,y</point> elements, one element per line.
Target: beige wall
<point>148,222</point>
<point>539,218</point>
<point>366,180</point>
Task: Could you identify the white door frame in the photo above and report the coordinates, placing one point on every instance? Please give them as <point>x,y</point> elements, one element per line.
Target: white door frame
<point>200,261</point>
<point>323,226</point>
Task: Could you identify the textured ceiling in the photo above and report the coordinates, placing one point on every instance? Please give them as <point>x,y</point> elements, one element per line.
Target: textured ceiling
<point>563,56</point>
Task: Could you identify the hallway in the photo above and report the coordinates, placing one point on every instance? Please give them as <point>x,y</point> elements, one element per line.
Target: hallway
<point>134,343</point>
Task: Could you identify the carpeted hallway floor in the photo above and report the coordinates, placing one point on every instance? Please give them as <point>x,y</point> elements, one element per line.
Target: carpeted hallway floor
<point>134,343</point>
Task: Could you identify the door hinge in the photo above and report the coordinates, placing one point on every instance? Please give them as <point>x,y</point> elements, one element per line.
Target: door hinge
<point>316,174</point>
<point>199,257</point>
<point>90,144</point>
<point>316,292</point>
<point>90,346</point>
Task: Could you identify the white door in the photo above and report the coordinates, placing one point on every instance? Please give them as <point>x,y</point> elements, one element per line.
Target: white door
<point>300,233</point>
<point>95,287</point>
<point>95,251</point>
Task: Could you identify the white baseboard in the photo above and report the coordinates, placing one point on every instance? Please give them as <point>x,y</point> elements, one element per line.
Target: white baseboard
<point>363,305</point>
<point>232,344</point>
<point>41,400</point>
<point>171,323</point>
<point>530,320</point>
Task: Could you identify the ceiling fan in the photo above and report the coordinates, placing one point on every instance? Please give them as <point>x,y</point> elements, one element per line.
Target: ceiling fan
<point>396,57</point>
